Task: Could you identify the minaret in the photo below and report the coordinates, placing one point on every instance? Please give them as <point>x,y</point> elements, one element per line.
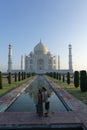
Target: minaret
<point>58,62</point>
<point>70,58</point>
<point>21,62</point>
<point>40,40</point>
<point>10,59</point>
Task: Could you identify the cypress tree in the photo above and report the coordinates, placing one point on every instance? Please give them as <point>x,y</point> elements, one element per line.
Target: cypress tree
<point>76,79</point>
<point>19,76</point>
<point>9,77</point>
<point>54,75</point>
<point>27,75</point>
<point>57,76</point>
<point>68,78</point>
<point>0,80</point>
<point>83,81</point>
<point>22,75</point>
<point>63,78</point>
<point>15,77</point>
<point>51,74</point>
<point>60,77</point>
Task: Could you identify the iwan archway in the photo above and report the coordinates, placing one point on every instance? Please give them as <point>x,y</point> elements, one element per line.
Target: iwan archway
<point>40,65</point>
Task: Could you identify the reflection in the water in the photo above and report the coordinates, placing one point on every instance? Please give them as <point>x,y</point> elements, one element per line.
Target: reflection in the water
<point>39,82</point>
<point>28,99</point>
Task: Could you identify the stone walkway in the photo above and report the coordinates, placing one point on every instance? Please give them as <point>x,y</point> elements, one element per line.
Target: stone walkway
<point>76,116</point>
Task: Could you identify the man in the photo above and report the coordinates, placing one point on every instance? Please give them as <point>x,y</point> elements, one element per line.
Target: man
<point>40,103</point>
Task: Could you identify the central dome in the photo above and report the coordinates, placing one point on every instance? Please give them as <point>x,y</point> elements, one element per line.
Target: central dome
<point>40,48</point>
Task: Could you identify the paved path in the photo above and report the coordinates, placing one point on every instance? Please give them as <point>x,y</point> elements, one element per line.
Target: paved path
<point>77,116</point>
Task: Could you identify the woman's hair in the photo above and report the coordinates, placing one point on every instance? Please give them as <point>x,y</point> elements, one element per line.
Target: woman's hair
<point>39,90</point>
<point>44,88</point>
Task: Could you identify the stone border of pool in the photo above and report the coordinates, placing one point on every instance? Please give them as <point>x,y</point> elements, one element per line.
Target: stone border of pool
<point>78,115</point>
<point>10,97</point>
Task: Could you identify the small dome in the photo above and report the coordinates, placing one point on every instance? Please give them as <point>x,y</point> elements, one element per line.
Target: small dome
<point>31,53</point>
<point>40,48</point>
<point>49,53</point>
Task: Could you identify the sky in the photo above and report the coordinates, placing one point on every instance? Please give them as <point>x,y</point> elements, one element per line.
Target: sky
<point>57,23</point>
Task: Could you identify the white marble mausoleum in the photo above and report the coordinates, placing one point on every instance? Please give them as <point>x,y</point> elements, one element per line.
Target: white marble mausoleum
<point>40,60</point>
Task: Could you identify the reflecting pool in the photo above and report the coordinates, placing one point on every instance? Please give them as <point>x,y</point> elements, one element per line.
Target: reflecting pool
<point>27,101</point>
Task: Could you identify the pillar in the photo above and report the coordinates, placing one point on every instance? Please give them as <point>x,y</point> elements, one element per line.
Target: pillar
<point>70,58</point>
<point>10,58</point>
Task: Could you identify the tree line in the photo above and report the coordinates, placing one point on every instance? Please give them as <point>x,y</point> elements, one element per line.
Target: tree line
<point>79,78</point>
<point>17,77</point>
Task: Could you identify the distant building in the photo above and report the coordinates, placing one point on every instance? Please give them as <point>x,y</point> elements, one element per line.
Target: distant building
<point>40,60</point>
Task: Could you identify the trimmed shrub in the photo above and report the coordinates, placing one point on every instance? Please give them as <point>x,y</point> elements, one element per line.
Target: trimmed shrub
<point>76,79</point>
<point>0,80</point>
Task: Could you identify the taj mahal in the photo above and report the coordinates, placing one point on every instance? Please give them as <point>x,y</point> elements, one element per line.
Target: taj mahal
<point>40,61</point>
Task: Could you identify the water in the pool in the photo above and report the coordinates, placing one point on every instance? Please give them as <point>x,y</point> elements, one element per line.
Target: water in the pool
<point>27,101</point>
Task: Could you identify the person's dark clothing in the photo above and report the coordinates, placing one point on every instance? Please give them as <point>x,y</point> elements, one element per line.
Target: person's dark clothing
<point>40,104</point>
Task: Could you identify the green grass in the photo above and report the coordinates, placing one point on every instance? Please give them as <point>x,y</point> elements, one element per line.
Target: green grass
<point>8,87</point>
<point>76,92</point>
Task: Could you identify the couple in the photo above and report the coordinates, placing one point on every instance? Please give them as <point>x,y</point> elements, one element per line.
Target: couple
<point>43,99</point>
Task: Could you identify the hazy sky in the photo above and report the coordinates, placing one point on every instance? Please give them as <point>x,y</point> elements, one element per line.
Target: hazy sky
<point>57,23</point>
